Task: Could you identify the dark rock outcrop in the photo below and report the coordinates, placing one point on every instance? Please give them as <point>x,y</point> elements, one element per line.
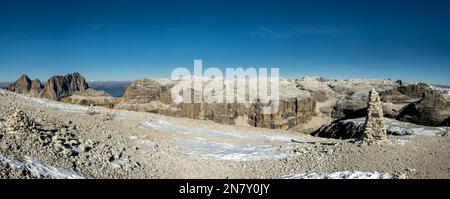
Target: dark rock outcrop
<point>446,122</point>
<point>349,108</point>
<point>432,110</point>
<point>406,93</point>
<point>341,130</point>
<point>59,87</point>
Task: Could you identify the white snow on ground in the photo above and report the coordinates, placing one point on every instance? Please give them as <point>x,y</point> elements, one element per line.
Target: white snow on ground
<point>164,125</point>
<point>341,175</point>
<point>407,128</point>
<point>37,168</point>
<point>235,146</point>
<point>57,105</point>
<point>235,152</point>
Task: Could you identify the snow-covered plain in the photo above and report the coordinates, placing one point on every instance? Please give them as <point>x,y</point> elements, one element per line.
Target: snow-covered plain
<point>341,175</point>
<point>37,168</point>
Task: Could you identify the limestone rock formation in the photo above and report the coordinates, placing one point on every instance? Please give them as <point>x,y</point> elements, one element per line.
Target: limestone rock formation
<point>22,85</point>
<point>36,87</point>
<point>406,93</point>
<point>432,110</point>
<point>146,90</point>
<point>374,129</point>
<point>154,95</point>
<point>92,97</point>
<point>59,87</point>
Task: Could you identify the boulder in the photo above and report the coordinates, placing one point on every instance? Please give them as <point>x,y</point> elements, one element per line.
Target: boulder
<point>344,129</point>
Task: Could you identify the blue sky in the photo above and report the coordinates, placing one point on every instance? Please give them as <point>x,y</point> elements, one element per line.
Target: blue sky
<point>126,39</point>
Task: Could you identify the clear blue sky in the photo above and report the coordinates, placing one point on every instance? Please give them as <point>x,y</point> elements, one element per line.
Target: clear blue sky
<point>126,39</point>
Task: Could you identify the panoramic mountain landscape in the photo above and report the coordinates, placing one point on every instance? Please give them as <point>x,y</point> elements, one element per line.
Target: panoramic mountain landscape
<point>324,128</point>
<point>141,89</point>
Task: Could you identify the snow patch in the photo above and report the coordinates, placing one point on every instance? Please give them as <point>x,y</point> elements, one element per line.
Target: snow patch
<point>163,125</point>
<point>235,152</point>
<point>57,105</point>
<point>37,168</point>
<point>341,175</point>
<point>223,145</point>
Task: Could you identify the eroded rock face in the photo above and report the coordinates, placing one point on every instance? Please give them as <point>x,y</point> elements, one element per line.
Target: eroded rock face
<point>406,93</point>
<point>374,129</point>
<point>147,90</point>
<point>36,87</point>
<point>154,95</point>
<point>432,110</point>
<point>92,97</point>
<point>22,85</point>
<point>59,87</point>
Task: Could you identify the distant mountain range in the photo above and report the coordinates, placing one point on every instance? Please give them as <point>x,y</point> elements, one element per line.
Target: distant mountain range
<point>114,88</point>
<point>117,88</point>
<point>442,86</point>
<point>4,84</point>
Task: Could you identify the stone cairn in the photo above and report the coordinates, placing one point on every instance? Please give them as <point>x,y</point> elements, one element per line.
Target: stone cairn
<point>374,129</point>
<point>19,122</point>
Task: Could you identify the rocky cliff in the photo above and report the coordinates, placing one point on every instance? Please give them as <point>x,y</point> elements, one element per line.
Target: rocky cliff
<point>305,104</point>
<point>432,110</point>
<point>154,95</point>
<point>36,87</point>
<point>58,87</point>
<point>24,85</point>
<point>92,97</point>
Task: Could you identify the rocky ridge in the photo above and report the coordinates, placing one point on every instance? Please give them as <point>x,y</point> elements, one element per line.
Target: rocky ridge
<point>154,95</point>
<point>306,103</point>
<point>58,87</point>
<point>24,85</point>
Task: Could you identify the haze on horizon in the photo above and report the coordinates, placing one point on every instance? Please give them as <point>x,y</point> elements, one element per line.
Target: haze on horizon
<point>128,39</point>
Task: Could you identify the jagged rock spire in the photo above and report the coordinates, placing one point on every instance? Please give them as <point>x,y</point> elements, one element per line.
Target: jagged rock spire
<point>374,129</point>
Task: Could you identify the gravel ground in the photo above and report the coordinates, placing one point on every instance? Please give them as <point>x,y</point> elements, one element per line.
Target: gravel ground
<point>46,139</point>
